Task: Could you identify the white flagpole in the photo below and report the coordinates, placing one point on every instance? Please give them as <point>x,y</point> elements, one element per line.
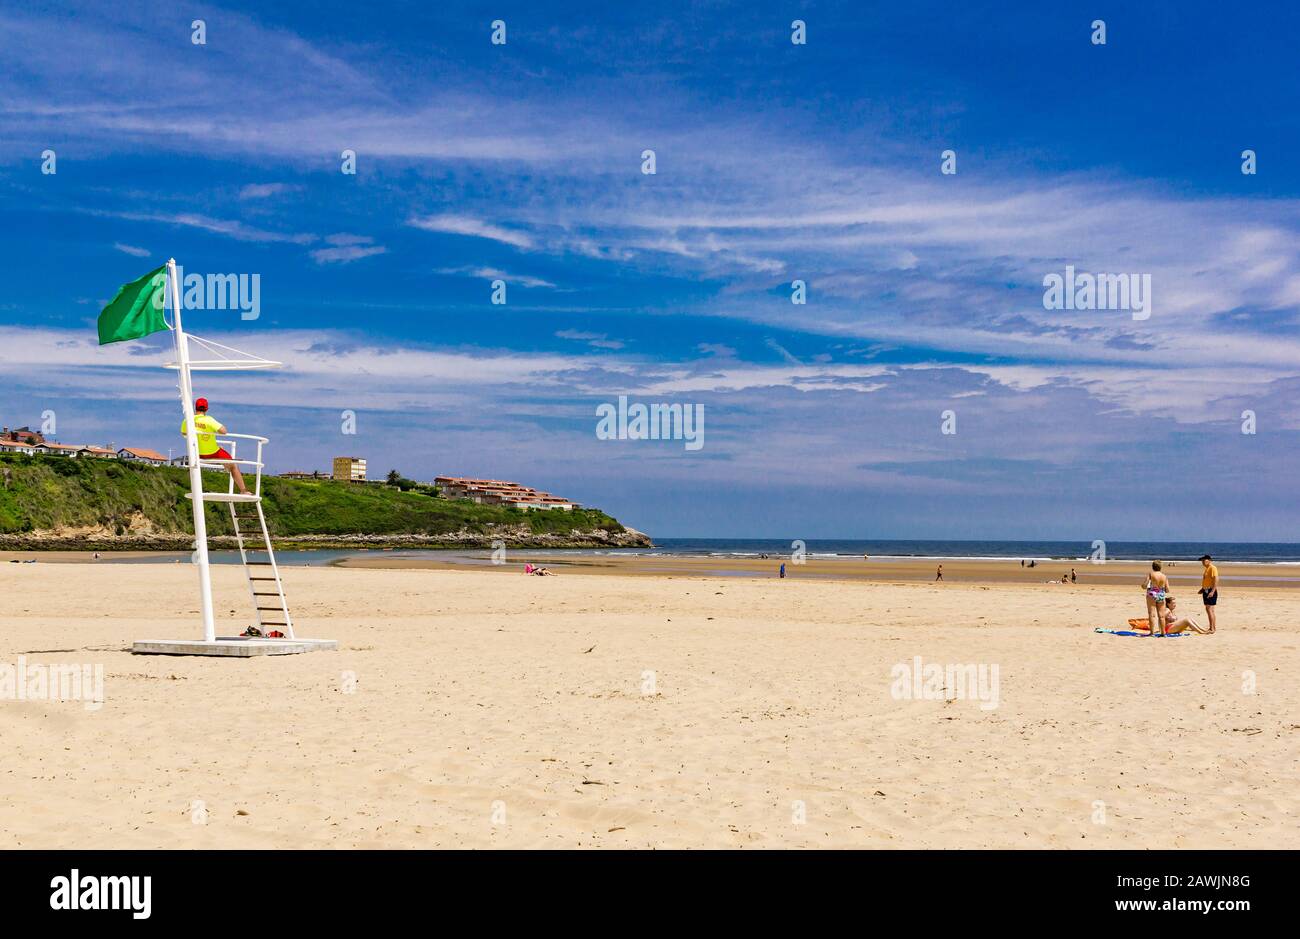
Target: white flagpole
<point>192,449</point>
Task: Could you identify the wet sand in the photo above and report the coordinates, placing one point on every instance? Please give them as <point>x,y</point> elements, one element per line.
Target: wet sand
<point>78,557</point>
<point>1185,576</point>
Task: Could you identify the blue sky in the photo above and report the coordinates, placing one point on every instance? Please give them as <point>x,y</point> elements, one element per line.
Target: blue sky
<point>775,162</point>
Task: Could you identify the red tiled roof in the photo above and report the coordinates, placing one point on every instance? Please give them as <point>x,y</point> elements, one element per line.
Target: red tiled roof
<point>143,454</point>
<point>502,490</point>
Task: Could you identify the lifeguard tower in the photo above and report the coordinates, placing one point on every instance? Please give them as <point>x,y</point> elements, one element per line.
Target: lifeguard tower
<point>266,589</point>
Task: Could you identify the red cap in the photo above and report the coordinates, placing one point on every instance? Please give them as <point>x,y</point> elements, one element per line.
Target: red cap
<point>201,404</point>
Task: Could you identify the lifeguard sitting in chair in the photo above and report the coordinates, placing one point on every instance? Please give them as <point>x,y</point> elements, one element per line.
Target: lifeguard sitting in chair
<point>206,429</point>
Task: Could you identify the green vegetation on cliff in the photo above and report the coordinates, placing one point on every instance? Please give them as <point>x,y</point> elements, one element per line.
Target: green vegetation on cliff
<point>57,494</point>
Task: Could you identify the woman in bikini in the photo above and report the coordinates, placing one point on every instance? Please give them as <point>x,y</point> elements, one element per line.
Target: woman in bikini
<point>1157,590</point>
<point>1175,625</point>
<point>1172,622</point>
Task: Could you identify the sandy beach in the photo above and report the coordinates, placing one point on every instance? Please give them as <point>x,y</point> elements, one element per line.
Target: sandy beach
<point>475,709</point>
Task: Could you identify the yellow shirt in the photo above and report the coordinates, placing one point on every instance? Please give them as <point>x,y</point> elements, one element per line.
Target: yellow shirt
<point>1207,578</point>
<point>206,429</point>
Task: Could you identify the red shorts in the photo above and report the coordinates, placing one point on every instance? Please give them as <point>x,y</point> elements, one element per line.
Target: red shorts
<point>221,454</point>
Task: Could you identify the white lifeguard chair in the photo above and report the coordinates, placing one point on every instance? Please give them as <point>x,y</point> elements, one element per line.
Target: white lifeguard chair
<point>266,589</point>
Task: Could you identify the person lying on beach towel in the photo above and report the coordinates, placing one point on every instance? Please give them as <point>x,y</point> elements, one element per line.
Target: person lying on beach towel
<point>1173,624</point>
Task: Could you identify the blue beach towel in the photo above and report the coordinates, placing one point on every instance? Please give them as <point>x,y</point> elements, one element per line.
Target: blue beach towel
<point>1129,632</point>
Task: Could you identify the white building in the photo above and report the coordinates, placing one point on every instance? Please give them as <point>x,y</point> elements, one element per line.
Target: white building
<point>350,469</point>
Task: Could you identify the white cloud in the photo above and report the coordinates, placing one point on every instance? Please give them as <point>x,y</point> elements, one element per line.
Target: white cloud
<point>347,248</point>
<point>346,254</point>
<point>493,273</point>
<point>343,239</point>
<point>265,190</point>
<point>231,228</point>
<point>472,227</point>
<point>594,340</point>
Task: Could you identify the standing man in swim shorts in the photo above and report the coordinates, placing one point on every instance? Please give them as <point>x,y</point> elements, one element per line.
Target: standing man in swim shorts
<point>1209,588</point>
<point>206,429</point>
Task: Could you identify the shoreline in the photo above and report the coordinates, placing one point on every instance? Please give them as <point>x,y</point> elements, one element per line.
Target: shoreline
<point>1184,575</point>
<point>54,547</point>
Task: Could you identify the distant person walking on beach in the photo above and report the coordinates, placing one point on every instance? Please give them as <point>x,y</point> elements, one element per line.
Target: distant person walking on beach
<point>206,429</point>
<point>1157,589</point>
<point>938,574</point>
<point>1210,589</point>
<point>783,570</point>
<point>1074,578</point>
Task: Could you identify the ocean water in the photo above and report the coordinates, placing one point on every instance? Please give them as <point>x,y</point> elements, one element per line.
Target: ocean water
<point>1252,552</point>
<point>877,550</point>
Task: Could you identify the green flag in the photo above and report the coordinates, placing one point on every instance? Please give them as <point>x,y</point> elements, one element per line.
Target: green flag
<point>136,311</point>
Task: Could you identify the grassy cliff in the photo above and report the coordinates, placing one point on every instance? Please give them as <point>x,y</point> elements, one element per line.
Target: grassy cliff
<point>60,502</point>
